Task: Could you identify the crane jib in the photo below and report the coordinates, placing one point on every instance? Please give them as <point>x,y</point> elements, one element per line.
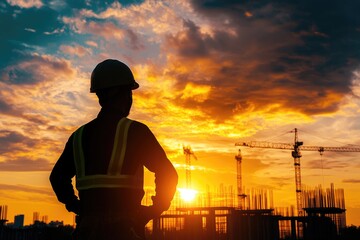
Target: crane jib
<point>261,144</point>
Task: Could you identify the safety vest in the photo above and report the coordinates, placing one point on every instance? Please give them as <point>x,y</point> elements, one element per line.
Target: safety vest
<point>113,178</point>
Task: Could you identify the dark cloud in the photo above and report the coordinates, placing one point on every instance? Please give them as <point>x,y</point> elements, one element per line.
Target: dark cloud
<point>298,55</point>
<point>20,76</point>
<point>25,165</point>
<point>11,141</point>
<point>8,108</point>
<point>134,40</point>
<point>191,43</point>
<point>351,180</point>
<point>5,108</point>
<point>281,181</point>
<point>326,164</point>
<point>36,118</point>
<point>32,69</point>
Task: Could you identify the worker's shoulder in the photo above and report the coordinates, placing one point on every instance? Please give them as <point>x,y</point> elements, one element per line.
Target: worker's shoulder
<point>139,125</point>
<point>89,124</point>
<point>141,132</point>
<point>140,128</point>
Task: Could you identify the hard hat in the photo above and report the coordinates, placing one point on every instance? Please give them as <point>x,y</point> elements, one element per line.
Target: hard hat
<point>112,73</point>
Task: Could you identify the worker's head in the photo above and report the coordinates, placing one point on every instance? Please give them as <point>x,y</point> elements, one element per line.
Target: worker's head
<point>112,73</point>
<point>113,82</point>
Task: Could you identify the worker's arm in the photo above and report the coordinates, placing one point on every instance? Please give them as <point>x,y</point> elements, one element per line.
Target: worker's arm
<point>61,179</point>
<point>166,178</point>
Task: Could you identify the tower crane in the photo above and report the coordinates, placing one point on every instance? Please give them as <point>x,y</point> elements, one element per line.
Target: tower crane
<point>188,153</point>
<point>241,195</point>
<point>296,148</point>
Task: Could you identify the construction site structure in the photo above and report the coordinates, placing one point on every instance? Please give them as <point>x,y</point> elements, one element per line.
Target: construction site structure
<point>188,154</point>
<point>3,214</point>
<point>324,217</point>
<point>326,203</point>
<point>240,194</point>
<point>296,148</point>
<point>36,217</point>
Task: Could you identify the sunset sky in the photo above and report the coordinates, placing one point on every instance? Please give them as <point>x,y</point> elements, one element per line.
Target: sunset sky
<point>211,73</point>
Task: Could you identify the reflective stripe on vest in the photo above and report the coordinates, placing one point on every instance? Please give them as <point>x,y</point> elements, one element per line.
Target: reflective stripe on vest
<point>113,178</point>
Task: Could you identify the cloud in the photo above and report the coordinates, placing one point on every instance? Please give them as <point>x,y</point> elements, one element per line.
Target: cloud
<point>36,68</point>
<point>267,59</point>
<point>103,28</point>
<point>351,181</point>
<point>55,31</point>
<point>107,28</point>
<point>11,141</point>
<point>152,18</point>
<point>92,44</point>
<point>26,3</point>
<point>190,42</point>
<point>132,32</point>
<point>278,56</point>
<point>30,30</point>
<point>25,165</point>
<point>26,188</point>
<point>5,108</point>
<point>281,181</point>
<point>134,40</point>
<point>76,50</point>
<point>326,164</point>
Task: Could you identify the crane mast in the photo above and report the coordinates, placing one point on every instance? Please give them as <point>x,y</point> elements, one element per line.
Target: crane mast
<point>240,194</point>
<point>296,148</point>
<point>188,153</point>
<point>296,154</point>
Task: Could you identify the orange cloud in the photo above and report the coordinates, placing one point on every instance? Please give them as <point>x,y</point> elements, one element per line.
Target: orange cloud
<point>246,74</point>
<point>107,30</point>
<point>77,50</point>
<point>92,44</point>
<point>26,3</point>
<point>198,93</point>
<point>155,17</point>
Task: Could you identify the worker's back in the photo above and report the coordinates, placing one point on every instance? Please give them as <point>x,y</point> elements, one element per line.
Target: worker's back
<point>108,156</point>
<point>98,143</point>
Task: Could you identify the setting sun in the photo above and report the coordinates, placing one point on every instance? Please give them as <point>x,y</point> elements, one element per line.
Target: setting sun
<point>188,195</point>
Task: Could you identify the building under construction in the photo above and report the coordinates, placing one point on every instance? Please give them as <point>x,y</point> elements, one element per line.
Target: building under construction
<point>319,214</point>
<point>258,220</point>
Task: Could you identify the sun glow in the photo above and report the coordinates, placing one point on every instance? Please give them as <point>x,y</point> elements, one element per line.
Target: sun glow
<point>188,195</point>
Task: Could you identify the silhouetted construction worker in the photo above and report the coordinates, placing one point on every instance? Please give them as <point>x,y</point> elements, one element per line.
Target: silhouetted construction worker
<point>107,156</point>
